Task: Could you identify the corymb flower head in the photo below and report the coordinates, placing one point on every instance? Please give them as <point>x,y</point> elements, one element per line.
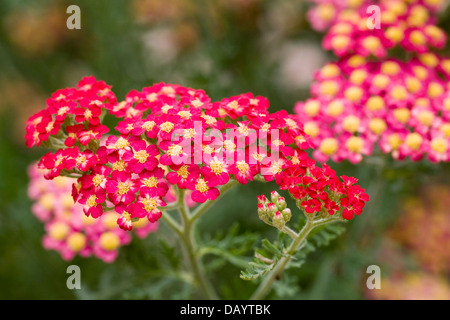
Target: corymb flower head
<point>171,138</point>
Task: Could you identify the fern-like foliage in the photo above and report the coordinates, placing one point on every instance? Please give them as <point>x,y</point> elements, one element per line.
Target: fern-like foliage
<point>267,258</point>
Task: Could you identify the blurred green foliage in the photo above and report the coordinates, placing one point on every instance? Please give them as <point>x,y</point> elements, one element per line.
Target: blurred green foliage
<point>225,48</point>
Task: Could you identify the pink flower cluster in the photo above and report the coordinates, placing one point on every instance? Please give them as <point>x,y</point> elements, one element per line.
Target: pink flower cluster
<point>361,101</point>
<point>68,230</point>
<point>373,27</point>
<point>172,136</point>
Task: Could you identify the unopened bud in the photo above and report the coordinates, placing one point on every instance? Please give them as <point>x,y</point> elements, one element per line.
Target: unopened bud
<point>271,209</point>
<point>262,211</point>
<point>286,214</point>
<point>278,220</point>
<point>262,199</point>
<point>281,203</point>
<point>274,196</point>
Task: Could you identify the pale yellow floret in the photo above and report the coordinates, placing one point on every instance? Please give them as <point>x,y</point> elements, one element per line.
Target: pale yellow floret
<point>375,103</point>
<point>426,117</point>
<point>435,90</point>
<point>429,59</point>
<point>326,11</point>
<point>329,146</point>
<point>394,141</point>
<point>351,123</point>
<point>358,76</point>
<point>354,144</point>
<point>439,145</point>
<point>59,230</point>
<point>109,241</point>
<point>390,68</point>
<point>413,84</point>
<point>330,70</point>
<point>353,93</point>
<point>311,107</point>
<point>76,241</point>
<point>402,114</point>
<point>47,201</point>
<point>381,81</point>
<point>414,140</point>
<point>109,219</point>
<point>335,108</point>
<point>395,34</point>
<point>445,129</point>
<point>399,92</point>
<point>356,61</point>
<point>340,42</point>
<point>377,125</point>
<point>329,88</point>
<point>311,129</point>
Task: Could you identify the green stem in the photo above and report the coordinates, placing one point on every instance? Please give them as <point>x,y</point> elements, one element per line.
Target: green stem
<point>266,285</point>
<point>190,248</point>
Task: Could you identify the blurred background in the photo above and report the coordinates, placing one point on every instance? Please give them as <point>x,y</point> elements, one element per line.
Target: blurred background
<point>226,47</point>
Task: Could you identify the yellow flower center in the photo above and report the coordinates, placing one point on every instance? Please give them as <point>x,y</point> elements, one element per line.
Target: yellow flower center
<point>402,114</point>
<point>377,125</point>
<point>121,143</point>
<point>123,188</point>
<point>167,126</point>
<point>119,165</point>
<point>242,166</point>
<point>445,129</point>
<point>390,68</point>
<point>149,204</point>
<point>196,103</point>
<point>109,220</point>
<point>234,105</point>
<point>185,114</point>
<point>328,146</point>
<point>141,156</point>
<point>417,38</point>
<point>351,123</point>
<point>183,172</point>
<point>329,88</point>
<point>399,92</point>
<point>426,117</point>
<point>435,89</point>
<point>148,125</point>
<point>375,103</point>
<point>76,241</point>
<point>335,108</point>
<point>395,34</point>
<point>439,145</point>
<point>88,114</point>
<point>109,241</point>
<point>311,129</point>
<point>175,150</point>
<point>150,182</point>
<point>216,167</point>
<point>381,81</point>
<point>59,231</point>
<point>330,70</point>
<point>414,140</point>
<point>354,144</point>
<point>311,107</point>
<point>201,185</point>
<point>97,180</point>
<point>92,200</point>
<point>394,141</point>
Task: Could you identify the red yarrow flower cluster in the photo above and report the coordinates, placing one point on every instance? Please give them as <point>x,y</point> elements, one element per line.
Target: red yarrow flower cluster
<point>172,137</point>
